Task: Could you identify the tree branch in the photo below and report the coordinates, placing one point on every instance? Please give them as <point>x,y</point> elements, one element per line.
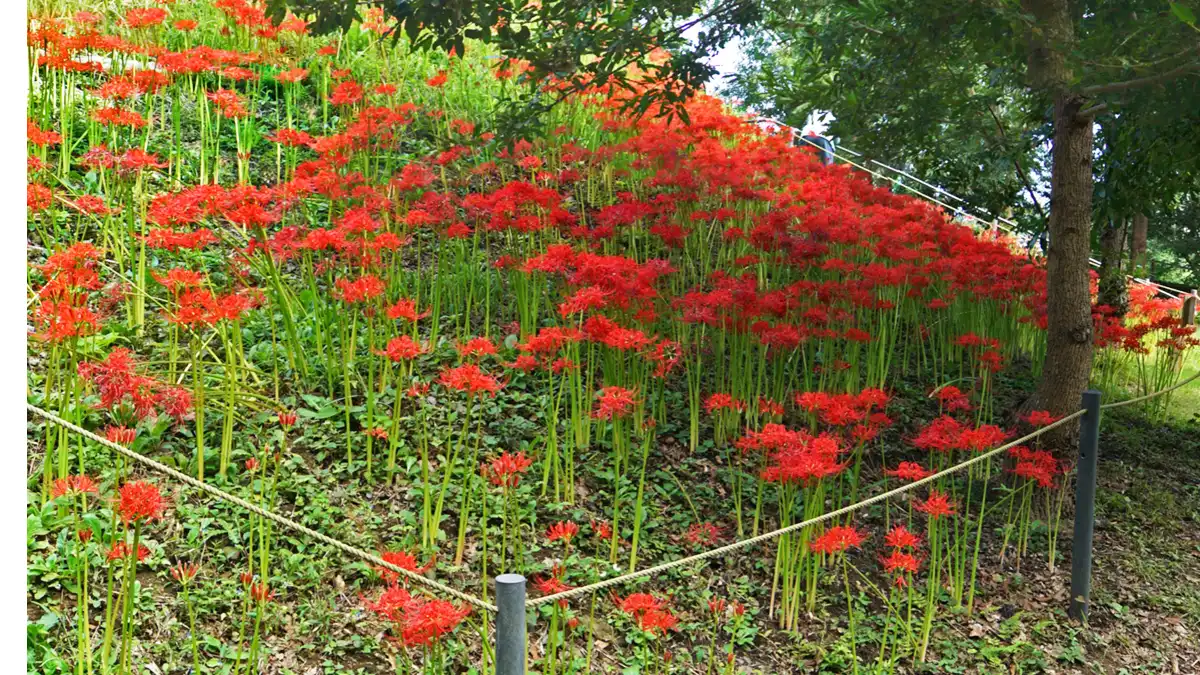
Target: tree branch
<point>1091,111</point>
<point>1140,81</point>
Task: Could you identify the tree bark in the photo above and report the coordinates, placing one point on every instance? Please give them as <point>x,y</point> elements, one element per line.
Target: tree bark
<point>1137,253</point>
<point>1113,291</point>
<point>1068,362</point>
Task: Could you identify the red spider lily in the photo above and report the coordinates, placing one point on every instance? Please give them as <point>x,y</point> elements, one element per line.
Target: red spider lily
<point>550,585</point>
<point>403,560</point>
<point>952,400</point>
<point>391,603</point>
<point>144,17</point>
<point>909,471</point>
<point>38,197</point>
<point>795,456</point>
<point>458,231</point>
<point>718,402</point>
<point>347,92</point>
<point>252,465</point>
<point>716,607</point>
<point>185,572</point>
<point>84,535</point>
<point>470,379</point>
<point>1040,466</point>
<point>614,402</point>
<point>769,408</point>
<point>73,485</point>
<point>586,298</point>
<point>378,432</point>
<point>942,434</point>
<point>476,347</point>
<point>60,321</point>
<point>657,621</point>
<point>981,438</point>
<point>366,287</point>
<point>287,420</point>
<point>637,604</point>
<point>41,138</point>
<point>228,103</point>
<point>140,501</point>
<point>562,530</point>
<point>900,564</point>
<point>836,539</point>
<point>507,469</point>
<point>1040,418</point>
<point>524,362</point>
<point>121,550</point>
<point>937,505</point>
<point>900,537</point>
<point>602,529</point>
<point>261,593</point>
<point>703,534</point>
<point>425,621</point>
<point>402,348</point>
<point>406,309</point>
<point>437,80</point>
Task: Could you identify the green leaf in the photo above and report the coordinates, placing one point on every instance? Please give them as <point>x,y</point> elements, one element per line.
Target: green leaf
<point>1183,13</point>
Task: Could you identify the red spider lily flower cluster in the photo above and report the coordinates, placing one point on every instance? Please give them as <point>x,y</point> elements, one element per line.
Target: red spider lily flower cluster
<point>418,621</point>
<point>1038,466</point>
<point>121,550</point>
<point>650,613</point>
<point>119,385</point>
<point>946,434</point>
<point>909,471</point>
<point>702,535</point>
<point>794,456</point>
<point>507,469</point>
<point>185,572</point>
<point>614,402</point>
<point>1040,418</point>
<point>73,486</point>
<point>563,531</point>
<point>469,378</point>
<point>837,539</point>
<point>402,559</point>
<point>952,400</point>
<point>140,501</point>
<point>937,505</point>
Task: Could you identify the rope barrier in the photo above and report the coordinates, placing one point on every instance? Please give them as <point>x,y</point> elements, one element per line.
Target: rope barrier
<point>281,520</point>
<point>1118,404</point>
<point>650,571</point>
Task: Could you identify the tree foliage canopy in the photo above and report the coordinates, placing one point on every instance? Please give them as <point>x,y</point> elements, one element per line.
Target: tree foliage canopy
<point>581,43</point>
<point>945,89</point>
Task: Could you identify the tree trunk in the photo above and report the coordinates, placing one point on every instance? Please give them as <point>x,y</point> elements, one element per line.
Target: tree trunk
<point>1113,291</point>
<point>1137,253</point>
<point>1068,362</point>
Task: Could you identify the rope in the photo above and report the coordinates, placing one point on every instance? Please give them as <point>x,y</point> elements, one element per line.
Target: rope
<point>792,528</point>
<point>1118,404</point>
<point>286,522</point>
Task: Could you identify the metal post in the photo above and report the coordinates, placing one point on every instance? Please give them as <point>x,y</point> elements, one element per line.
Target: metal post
<point>1085,506</point>
<point>510,624</point>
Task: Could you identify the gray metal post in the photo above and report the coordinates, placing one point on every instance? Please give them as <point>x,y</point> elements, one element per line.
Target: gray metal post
<point>1085,506</point>
<point>510,624</point>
